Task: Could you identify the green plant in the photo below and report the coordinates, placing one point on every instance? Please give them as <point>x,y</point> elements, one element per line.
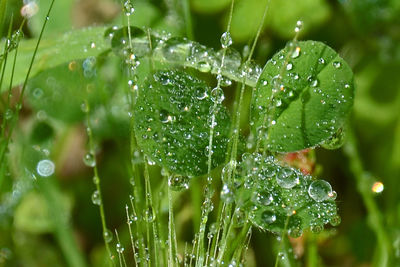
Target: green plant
<point>244,160</point>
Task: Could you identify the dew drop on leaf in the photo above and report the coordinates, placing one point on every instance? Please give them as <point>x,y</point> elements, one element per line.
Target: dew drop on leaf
<point>320,190</point>
<point>287,178</point>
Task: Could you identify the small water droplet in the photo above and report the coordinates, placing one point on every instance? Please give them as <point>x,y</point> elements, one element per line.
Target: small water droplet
<point>289,66</point>
<point>335,220</point>
<point>96,180</point>
<point>107,235</point>
<point>317,228</point>
<point>89,159</point>
<point>45,168</point>
<point>128,8</point>
<point>299,26</point>
<point>268,217</point>
<point>226,40</point>
<point>120,249</point>
<point>8,114</point>
<point>96,198</point>
<point>321,60</point>
<point>337,64</point>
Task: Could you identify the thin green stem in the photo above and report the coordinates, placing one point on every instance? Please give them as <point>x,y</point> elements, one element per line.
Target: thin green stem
<point>188,19</point>
<point>97,184</point>
<point>62,228</point>
<point>375,218</point>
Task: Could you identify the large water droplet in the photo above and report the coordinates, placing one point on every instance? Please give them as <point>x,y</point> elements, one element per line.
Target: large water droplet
<point>319,190</point>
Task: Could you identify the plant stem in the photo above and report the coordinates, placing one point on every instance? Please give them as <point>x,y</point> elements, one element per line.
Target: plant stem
<point>62,228</point>
<point>374,217</point>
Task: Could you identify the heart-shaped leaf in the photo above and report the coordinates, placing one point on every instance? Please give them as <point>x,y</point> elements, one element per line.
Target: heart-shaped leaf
<point>303,97</point>
<point>173,117</point>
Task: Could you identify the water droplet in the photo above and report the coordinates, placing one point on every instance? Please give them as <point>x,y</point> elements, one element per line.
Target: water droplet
<point>217,95</point>
<point>201,93</point>
<point>321,60</point>
<point>268,217</point>
<point>45,168</point>
<point>289,66</point>
<point>296,52</point>
<point>89,159</point>
<point>295,232</point>
<point>107,235</point>
<point>120,249</point>
<point>203,66</point>
<point>227,194</point>
<point>96,198</point>
<point>37,93</point>
<point>317,228</point>
<point>299,26</point>
<point>8,114</point>
<point>178,182</point>
<point>262,198</point>
<point>132,181</point>
<point>128,8</point>
<point>337,64</point>
<point>313,81</point>
<point>287,178</point>
<point>335,220</point>
<point>149,215</point>
<point>226,40</point>
<point>96,180</point>
<point>85,107</point>
<point>319,190</point>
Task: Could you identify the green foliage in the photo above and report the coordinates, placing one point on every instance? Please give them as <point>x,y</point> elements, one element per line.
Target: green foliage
<point>282,16</point>
<point>303,97</point>
<point>59,49</point>
<point>280,198</point>
<point>67,86</point>
<point>123,117</point>
<point>173,119</point>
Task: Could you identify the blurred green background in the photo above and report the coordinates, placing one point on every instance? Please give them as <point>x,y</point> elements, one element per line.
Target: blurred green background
<point>366,33</point>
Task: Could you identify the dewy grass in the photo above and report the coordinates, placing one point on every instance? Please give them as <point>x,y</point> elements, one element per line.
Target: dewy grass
<point>180,130</point>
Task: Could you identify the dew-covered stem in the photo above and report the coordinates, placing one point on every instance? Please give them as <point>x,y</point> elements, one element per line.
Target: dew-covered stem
<point>172,242</point>
<point>90,160</point>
